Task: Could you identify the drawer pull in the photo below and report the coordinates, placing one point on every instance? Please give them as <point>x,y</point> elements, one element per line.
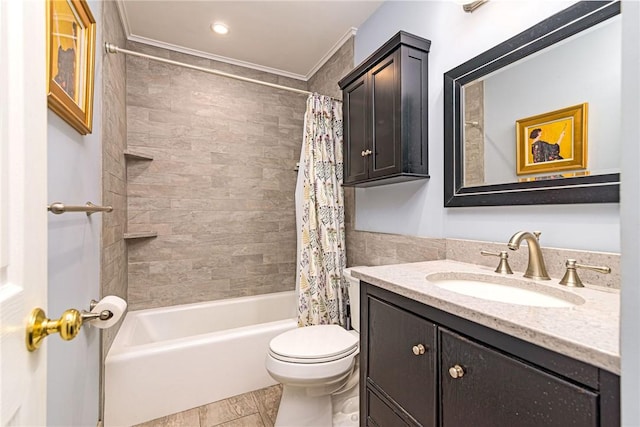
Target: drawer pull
<point>418,349</point>
<point>456,372</point>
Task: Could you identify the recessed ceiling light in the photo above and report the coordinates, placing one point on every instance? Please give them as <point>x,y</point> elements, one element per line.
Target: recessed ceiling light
<point>219,28</point>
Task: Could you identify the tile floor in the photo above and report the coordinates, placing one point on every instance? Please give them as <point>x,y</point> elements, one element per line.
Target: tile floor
<point>254,409</point>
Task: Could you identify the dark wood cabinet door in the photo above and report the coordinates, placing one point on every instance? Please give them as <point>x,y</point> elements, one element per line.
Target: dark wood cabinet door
<point>386,147</point>
<point>381,415</point>
<point>496,390</point>
<point>406,378</point>
<point>356,130</point>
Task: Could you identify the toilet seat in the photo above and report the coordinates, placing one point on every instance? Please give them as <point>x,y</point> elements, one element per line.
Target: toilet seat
<point>313,344</point>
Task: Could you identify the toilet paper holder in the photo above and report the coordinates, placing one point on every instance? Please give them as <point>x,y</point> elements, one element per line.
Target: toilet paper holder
<point>103,315</point>
<point>68,325</point>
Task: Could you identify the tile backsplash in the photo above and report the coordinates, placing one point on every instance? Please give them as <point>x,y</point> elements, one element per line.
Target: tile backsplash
<point>367,248</point>
<point>555,258</point>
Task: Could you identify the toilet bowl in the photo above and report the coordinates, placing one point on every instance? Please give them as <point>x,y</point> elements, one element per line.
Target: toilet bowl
<point>313,363</point>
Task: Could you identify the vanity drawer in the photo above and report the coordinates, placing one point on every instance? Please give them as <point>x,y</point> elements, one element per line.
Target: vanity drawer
<point>381,415</point>
<point>408,379</point>
<point>498,390</point>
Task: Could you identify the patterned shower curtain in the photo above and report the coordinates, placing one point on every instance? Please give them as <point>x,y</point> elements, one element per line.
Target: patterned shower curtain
<point>322,293</point>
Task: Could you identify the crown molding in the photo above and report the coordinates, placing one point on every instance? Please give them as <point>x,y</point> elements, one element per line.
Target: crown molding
<point>177,48</point>
<point>350,33</point>
<point>201,54</point>
<point>122,11</point>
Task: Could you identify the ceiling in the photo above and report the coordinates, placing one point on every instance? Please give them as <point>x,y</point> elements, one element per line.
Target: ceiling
<point>290,38</point>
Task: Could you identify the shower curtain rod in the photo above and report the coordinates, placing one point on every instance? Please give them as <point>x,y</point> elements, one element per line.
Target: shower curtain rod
<point>111,48</point>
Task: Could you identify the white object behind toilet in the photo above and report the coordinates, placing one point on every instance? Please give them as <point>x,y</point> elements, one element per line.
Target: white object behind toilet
<point>354,298</point>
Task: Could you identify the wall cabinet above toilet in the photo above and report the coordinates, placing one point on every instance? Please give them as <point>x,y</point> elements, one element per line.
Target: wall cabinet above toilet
<point>385,114</point>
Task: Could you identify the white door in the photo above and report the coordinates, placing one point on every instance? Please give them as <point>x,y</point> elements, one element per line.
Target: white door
<point>23,215</point>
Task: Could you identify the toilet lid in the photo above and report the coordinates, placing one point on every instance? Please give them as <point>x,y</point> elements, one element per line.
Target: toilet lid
<point>313,344</point>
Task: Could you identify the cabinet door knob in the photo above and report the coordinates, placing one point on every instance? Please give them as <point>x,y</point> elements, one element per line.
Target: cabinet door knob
<point>418,349</point>
<point>456,371</point>
<point>368,152</point>
<point>363,153</point>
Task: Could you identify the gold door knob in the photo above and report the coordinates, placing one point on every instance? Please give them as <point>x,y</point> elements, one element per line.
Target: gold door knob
<point>418,349</point>
<point>456,371</point>
<point>39,327</point>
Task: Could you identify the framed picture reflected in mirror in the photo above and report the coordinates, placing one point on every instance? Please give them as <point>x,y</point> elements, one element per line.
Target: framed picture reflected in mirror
<point>552,142</point>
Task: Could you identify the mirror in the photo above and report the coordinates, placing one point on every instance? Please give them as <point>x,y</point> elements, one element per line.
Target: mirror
<point>536,119</point>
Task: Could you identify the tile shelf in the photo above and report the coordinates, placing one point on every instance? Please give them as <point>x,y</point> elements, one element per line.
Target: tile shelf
<point>140,235</point>
<point>136,155</point>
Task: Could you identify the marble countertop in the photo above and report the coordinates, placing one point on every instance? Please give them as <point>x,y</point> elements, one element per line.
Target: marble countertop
<point>587,331</point>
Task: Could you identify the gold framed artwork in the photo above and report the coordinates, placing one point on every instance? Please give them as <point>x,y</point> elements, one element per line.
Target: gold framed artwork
<point>552,142</point>
<point>71,43</point>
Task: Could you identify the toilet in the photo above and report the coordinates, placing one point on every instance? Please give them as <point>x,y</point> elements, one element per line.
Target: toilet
<point>313,364</point>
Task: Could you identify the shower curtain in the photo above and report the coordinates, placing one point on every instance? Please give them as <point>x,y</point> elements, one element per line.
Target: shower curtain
<point>321,241</point>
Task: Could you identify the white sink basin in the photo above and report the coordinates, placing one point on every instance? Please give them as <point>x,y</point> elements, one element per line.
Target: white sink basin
<point>504,289</point>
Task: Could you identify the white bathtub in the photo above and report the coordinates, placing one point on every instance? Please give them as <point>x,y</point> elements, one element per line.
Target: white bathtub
<point>171,359</point>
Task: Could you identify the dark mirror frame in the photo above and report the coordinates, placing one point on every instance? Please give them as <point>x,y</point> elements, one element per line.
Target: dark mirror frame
<point>603,188</point>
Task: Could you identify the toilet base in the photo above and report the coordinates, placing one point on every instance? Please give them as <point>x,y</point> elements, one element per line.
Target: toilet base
<point>297,408</point>
<point>302,406</point>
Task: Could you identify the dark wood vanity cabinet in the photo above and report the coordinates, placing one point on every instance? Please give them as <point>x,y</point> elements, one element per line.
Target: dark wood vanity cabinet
<point>385,114</point>
<point>469,375</point>
<point>498,390</point>
<point>393,333</point>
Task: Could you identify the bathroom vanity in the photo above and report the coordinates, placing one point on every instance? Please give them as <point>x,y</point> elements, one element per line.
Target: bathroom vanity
<point>434,357</point>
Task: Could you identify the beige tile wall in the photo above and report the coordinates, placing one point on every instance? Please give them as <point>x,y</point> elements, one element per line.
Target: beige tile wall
<point>325,80</point>
<point>114,140</point>
<point>220,190</point>
<point>366,248</point>
<point>474,134</point>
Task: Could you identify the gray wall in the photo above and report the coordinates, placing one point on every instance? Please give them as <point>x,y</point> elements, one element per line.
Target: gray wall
<point>114,142</point>
<point>416,208</point>
<point>219,191</point>
<point>74,260</point>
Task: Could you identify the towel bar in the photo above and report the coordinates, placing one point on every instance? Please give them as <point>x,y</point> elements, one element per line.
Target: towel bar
<point>60,208</point>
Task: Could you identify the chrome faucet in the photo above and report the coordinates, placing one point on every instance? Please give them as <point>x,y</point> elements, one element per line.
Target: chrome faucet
<point>536,268</point>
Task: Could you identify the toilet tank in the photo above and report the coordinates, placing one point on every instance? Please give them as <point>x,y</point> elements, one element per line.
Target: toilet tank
<point>354,298</point>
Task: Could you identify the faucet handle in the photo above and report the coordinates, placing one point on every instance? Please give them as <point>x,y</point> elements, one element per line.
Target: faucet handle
<point>571,277</point>
<point>503,266</point>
